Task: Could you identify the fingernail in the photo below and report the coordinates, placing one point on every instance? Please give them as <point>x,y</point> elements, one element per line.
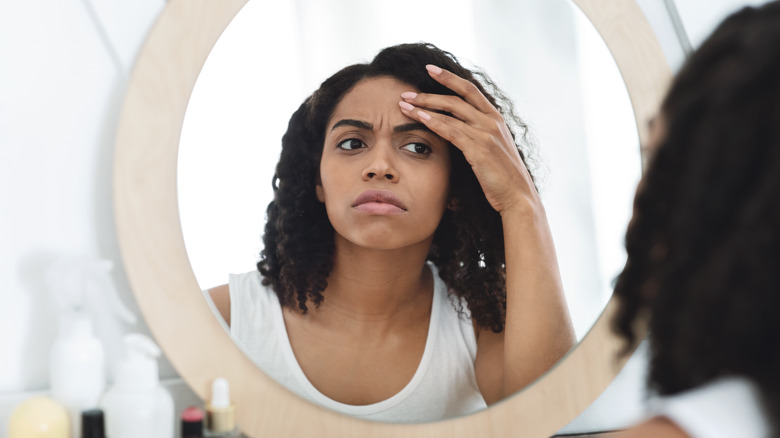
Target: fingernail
<point>406,106</point>
<point>433,69</point>
<point>423,115</point>
<point>408,95</point>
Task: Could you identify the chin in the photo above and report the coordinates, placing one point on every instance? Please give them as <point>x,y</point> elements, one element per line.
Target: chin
<point>381,239</point>
<point>378,241</point>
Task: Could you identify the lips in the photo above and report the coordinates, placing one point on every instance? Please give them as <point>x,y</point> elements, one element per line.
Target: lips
<point>379,202</point>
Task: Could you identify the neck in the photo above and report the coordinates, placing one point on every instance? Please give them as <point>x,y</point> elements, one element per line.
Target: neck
<point>368,285</point>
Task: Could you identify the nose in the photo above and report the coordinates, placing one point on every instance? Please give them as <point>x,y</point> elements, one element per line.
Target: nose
<point>380,165</point>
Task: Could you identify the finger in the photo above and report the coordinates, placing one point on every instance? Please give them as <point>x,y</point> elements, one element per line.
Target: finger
<point>451,104</point>
<point>465,89</point>
<point>449,128</point>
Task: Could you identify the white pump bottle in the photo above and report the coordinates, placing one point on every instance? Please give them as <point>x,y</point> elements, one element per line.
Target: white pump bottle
<point>137,406</point>
<point>77,370</point>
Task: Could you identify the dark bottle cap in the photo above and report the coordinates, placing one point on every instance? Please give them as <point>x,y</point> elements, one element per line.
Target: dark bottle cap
<point>92,424</point>
<point>192,422</point>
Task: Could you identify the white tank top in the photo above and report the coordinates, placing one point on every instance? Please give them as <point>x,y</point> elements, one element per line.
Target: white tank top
<point>443,386</point>
<point>726,408</point>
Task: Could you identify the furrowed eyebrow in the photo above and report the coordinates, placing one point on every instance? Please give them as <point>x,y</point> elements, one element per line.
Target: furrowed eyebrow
<point>353,123</point>
<point>406,127</point>
<point>415,126</point>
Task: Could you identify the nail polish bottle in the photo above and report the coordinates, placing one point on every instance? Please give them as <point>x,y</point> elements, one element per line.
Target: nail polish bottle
<point>192,422</point>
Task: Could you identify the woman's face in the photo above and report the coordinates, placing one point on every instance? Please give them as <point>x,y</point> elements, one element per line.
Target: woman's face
<point>384,178</point>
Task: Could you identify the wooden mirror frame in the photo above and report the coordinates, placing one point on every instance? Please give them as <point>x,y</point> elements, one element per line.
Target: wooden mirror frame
<point>158,268</point>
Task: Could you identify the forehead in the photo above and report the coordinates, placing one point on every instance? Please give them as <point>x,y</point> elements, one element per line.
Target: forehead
<point>372,98</point>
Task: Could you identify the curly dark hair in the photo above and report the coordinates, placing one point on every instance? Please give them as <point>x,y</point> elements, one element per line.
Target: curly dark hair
<point>704,243</point>
<point>468,245</point>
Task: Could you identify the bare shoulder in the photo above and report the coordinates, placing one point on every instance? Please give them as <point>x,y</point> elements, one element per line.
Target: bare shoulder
<point>488,364</point>
<point>657,427</point>
<point>220,295</point>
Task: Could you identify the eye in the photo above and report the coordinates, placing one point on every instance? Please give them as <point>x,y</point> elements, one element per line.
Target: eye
<point>417,148</point>
<point>351,144</point>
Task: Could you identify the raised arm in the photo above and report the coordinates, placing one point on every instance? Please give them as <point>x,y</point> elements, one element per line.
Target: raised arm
<point>538,328</point>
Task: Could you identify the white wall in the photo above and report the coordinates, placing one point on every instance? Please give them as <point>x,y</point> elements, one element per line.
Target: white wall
<point>63,70</point>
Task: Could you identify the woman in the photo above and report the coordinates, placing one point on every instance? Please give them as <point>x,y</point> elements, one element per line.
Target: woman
<point>704,244</point>
<point>408,272</point>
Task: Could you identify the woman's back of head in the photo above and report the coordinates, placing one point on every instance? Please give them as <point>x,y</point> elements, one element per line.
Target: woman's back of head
<point>704,244</point>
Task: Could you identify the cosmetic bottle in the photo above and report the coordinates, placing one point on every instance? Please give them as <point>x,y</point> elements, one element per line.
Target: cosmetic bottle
<point>192,422</point>
<point>220,412</point>
<point>92,424</point>
<point>136,405</point>
<point>39,417</point>
<point>77,371</point>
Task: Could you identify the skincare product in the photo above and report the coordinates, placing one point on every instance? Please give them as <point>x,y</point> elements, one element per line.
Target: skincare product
<point>192,422</point>
<point>220,412</point>
<point>39,417</point>
<point>92,424</point>
<point>77,371</point>
<point>137,406</point>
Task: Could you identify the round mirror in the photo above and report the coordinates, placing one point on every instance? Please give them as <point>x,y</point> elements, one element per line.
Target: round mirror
<point>545,54</point>
<point>161,268</point>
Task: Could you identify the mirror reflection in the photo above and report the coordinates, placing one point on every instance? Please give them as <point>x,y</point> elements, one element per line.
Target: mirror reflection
<point>374,179</point>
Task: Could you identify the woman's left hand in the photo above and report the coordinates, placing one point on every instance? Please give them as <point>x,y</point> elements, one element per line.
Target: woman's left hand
<point>477,128</point>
